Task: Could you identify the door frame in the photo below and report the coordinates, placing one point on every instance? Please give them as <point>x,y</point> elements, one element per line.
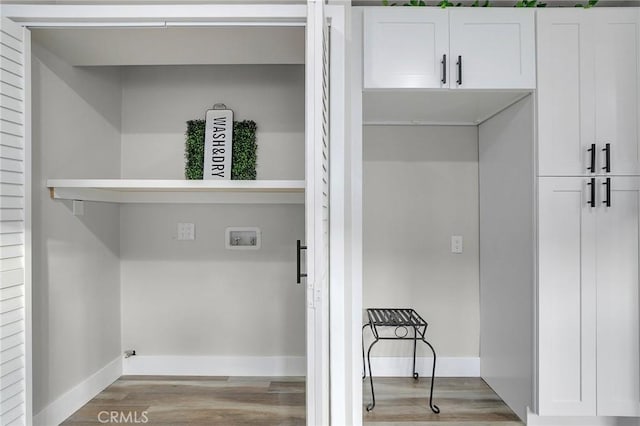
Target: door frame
<point>93,16</point>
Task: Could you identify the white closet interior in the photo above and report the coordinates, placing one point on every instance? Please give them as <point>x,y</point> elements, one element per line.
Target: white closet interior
<point>112,103</point>
<point>423,184</point>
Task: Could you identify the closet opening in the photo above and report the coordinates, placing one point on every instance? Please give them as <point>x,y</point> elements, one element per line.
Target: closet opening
<point>446,231</point>
<point>128,255</point>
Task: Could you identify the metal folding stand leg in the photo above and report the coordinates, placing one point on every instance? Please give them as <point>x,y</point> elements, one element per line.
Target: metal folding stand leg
<point>415,343</point>
<point>433,407</point>
<point>373,394</point>
<point>364,366</point>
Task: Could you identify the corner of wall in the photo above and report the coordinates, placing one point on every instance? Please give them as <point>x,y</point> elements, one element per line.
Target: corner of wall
<point>69,402</point>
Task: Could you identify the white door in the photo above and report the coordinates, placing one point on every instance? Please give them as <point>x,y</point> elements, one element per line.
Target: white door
<point>317,214</point>
<point>492,48</point>
<point>618,239</point>
<point>567,297</point>
<point>14,293</point>
<point>406,48</point>
<point>566,92</point>
<point>617,99</point>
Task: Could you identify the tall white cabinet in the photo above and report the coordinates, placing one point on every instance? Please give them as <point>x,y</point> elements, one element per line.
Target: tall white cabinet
<point>589,212</point>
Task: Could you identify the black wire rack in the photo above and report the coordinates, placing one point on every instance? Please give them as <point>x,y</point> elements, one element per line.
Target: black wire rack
<point>403,319</point>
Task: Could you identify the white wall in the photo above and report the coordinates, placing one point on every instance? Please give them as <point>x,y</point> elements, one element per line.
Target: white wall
<point>196,297</point>
<point>507,254</point>
<point>420,188</point>
<point>157,102</point>
<point>76,272</point>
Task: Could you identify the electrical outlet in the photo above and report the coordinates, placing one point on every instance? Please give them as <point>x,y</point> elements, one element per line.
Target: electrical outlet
<point>186,231</point>
<point>456,244</point>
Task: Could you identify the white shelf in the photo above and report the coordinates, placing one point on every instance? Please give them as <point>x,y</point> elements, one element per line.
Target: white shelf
<point>179,191</point>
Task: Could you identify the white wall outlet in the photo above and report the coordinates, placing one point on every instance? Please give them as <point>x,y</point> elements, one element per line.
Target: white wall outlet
<point>456,244</point>
<point>78,208</point>
<point>186,231</point>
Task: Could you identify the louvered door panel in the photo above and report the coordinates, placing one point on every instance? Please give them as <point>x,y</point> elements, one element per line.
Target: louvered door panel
<point>13,382</point>
<point>317,214</point>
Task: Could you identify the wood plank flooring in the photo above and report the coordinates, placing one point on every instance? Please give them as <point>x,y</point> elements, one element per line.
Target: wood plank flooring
<point>466,401</point>
<point>267,401</point>
<point>199,401</point>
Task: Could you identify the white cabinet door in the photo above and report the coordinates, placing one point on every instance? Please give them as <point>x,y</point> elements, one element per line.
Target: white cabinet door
<point>566,298</point>
<point>566,92</point>
<point>618,239</point>
<point>617,99</point>
<point>405,47</point>
<point>492,48</point>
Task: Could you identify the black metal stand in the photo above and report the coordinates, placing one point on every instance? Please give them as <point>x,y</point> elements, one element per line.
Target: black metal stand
<point>401,319</point>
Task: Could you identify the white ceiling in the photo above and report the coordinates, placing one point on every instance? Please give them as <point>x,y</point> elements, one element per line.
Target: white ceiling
<point>170,46</point>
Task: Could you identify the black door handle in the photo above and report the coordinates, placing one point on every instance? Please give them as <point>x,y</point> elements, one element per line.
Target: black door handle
<point>459,64</point>
<point>607,184</point>
<point>299,274</point>
<point>592,150</point>
<point>607,156</point>
<point>592,184</point>
<point>444,69</point>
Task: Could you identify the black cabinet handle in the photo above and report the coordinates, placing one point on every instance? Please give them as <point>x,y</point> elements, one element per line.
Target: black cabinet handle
<point>444,69</point>
<point>592,190</point>
<point>592,150</point>
<point>299,274</point>
<point>607,184</point>
<point>607,156</point>
<point>459,64</point>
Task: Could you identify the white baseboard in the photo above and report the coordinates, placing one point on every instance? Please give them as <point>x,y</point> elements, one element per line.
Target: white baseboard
<point>56,412</point>
<point>445,367</point>
<point>170,365</point>
<point>535,420</point>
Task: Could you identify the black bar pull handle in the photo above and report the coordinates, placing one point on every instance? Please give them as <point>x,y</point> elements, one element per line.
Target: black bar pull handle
<point>607,185</point>
<point>607,157</point>
<point>444,69</point>
<point>459,64</point>
<point>299,274</point>
<point>592,201</point>
<point>592,150</point>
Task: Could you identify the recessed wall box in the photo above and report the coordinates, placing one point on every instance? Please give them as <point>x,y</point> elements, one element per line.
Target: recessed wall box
<point>247,238</point>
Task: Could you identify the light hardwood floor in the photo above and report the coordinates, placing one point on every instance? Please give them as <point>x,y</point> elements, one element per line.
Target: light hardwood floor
<point>462,401</point>
<point>200,401</point>
<point>266,401</point>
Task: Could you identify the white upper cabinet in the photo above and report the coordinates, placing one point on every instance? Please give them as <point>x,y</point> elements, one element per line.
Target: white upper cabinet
<point>405,47</point>
<point>588,91</point>
<point>566,104</point>
<point>492,48</point>
<point>462,48</point>
<point>617,96</point>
